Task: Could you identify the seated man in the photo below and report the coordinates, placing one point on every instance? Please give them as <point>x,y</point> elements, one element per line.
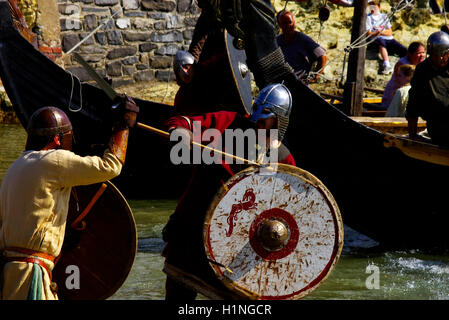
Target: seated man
<point>428,96</point>
<point>183,232</point>
<point>378,25</point>
<point>299,50</point>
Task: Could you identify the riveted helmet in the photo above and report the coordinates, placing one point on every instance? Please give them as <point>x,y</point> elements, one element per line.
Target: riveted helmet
<point>45,123</point>
<point>438,44</point>
<point>275,100</point>
<point>181,59</point>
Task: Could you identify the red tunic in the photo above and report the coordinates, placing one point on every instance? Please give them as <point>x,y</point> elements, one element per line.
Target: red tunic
<point>184,231</point>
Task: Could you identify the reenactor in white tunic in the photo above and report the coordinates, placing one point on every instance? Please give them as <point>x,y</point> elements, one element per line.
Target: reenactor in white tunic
<point>35,193</point>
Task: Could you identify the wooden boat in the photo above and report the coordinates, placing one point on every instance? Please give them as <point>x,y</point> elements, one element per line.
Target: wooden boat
<point>387,188</point>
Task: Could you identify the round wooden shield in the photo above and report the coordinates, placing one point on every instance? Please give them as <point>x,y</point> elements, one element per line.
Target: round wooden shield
<point>100,244</point>
<point>273,236</point>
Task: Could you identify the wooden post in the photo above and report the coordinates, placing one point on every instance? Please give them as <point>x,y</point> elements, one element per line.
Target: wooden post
<point>353,89</point>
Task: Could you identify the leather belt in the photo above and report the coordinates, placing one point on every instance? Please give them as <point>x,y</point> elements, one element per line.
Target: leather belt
<point>31,253</point>
<point>30,260</point>
<point>33,259</point>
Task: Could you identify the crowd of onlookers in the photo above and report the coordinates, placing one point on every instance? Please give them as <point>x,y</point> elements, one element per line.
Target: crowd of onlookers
<point>419,84</point>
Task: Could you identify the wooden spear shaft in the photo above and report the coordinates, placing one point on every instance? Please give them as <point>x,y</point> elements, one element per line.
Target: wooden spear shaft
<point>167,135</point>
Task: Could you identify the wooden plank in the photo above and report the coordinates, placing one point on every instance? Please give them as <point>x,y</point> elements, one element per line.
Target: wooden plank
<point>353,94</point>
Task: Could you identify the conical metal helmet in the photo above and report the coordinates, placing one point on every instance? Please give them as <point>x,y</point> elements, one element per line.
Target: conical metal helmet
<point>48,121</point>
<point>438,44</point>
<point>277,98</point>
<point>183,58</point>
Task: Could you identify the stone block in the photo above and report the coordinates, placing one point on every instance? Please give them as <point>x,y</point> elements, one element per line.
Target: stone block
<point>187,34</point>
<point>68,8</point>
<point>146,75</point>
<point>69,41</point>
<point>88,41</point>
<point>123,23</point>
<point>92,57</point>
<point>130,4</point>
<point>142,24</point>
<point>183,5</point>
<point>135,14</point>
<point>174,36</point>
<point>136,36</point>
<point>114,37</point>
<point>70,24</point>
<point>128,70</point>
<point>130,60</point>
<point>122,52</point>
<point>101,38</point>
<point>174,22</point>
<point>169,50</point>
<point>158,5</point>
<point>90,22</point>
<point>114,69</point>
<point>93,49</point>
<point>141,66</point>
<point>159,25</point>
<point>157,15</point>
<point>147,47</point>
<point>106,2</point>
<point>100,11</point>
<point>160,62</point>
<point>187,6</point>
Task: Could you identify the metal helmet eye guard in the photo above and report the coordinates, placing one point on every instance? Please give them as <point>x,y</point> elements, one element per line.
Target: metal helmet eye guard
<point>277,99</point>
<point>183,58</point>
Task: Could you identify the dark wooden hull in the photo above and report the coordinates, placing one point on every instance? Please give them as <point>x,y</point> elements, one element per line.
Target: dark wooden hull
<point>394,198</point>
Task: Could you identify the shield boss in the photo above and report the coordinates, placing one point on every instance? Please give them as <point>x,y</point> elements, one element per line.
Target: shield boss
<point>273,236</point>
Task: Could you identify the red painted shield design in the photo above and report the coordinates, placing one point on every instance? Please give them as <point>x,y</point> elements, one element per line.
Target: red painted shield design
<point>274,236</point>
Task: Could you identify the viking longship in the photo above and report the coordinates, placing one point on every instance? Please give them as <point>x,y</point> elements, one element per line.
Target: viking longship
<point>387,187</point>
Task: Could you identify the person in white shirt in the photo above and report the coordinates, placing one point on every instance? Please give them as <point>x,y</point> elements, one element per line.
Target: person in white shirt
<point>400,97</point>
<point>378,25</point>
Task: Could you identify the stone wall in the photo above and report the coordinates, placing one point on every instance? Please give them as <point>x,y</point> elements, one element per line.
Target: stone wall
<point>138,44</point>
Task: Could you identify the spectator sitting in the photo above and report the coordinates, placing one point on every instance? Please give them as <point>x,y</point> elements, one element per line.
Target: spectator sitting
<point>416,53</point>
<point>299,50</point>
<point>400,98</point>
<point>378,25</point>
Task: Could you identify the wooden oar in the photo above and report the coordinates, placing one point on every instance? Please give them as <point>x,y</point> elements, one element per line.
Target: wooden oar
<point>167,135</point>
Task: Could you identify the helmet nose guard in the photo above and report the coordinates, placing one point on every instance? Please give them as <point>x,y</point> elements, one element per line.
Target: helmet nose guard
<point>278,99</point>
<point>182,58</point>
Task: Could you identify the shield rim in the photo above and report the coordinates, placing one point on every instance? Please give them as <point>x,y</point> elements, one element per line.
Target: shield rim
<point>338,225</point>
<point>228,38</point>
<point>132,253</point>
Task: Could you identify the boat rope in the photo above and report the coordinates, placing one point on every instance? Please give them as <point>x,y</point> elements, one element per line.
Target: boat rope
<point>103,23</point>
<point>71,94</point>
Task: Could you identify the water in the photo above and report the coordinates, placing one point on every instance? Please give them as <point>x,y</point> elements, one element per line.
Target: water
<point>401,275</point>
